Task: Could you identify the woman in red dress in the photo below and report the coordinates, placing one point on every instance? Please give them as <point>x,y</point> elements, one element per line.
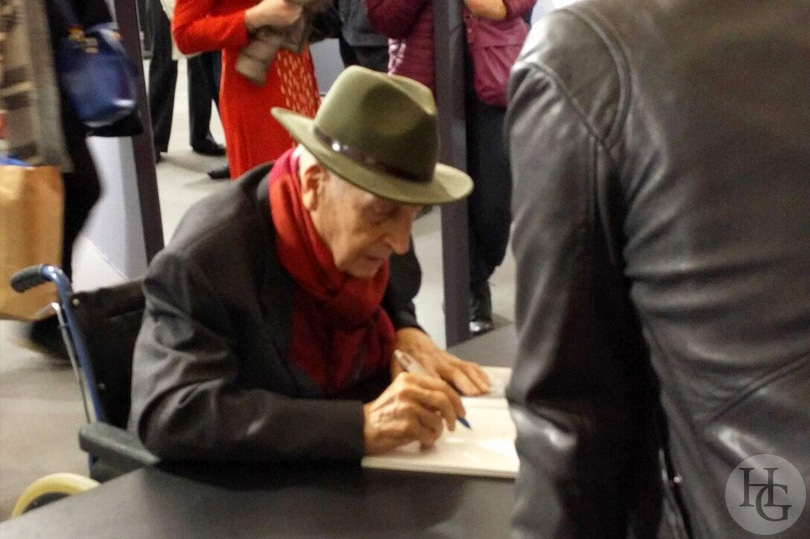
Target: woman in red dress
<point>252,134</point>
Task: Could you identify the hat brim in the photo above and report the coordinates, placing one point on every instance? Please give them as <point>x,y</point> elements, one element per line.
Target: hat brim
<point>447,185</point>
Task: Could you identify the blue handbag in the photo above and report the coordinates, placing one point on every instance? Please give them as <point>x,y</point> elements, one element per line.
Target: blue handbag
<point>95,71</point>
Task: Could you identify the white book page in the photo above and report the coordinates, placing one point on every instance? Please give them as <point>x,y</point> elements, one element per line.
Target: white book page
<point>487,449</point>
<point>498,378</point>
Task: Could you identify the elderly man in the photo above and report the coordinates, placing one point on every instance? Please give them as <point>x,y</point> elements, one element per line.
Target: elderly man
<point>661,153</point>
<point>269,331</point>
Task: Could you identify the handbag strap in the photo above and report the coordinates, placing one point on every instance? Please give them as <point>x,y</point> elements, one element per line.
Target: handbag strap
<point>67,12</point>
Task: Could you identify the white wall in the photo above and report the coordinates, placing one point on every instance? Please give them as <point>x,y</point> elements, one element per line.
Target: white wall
<point>115,226</point>
<point>328,65</point>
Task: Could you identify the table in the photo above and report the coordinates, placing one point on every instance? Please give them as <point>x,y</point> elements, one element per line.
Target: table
<point>497,348</point>
<point>229,501</point>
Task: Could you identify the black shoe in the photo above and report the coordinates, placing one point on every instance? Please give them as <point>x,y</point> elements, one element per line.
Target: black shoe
<point>481,310</point>
<point>45,337</point>
<point>209,147</point>
<point>158,157</point>
<point>220,173</point>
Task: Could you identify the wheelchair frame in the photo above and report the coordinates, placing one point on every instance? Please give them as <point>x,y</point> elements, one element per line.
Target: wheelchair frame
<point>111,449</point>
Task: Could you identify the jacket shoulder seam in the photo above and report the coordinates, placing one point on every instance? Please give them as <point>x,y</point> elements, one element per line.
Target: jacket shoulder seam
<point>608,35</point>
<point>600,141</point>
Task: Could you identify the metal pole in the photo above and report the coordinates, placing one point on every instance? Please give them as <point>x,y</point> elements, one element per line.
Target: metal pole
<point>126,15</point>
<point>449,39</point>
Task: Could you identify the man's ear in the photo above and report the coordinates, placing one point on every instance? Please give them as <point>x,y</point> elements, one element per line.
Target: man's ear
<point>313,178</point>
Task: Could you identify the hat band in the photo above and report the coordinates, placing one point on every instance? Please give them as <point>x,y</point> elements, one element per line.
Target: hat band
<point>366,160</point>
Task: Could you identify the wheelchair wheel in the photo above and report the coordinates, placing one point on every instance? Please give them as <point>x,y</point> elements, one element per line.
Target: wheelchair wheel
<point>49,489</point>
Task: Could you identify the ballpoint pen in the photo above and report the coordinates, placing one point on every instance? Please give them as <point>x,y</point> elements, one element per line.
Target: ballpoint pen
<point>411,365</point>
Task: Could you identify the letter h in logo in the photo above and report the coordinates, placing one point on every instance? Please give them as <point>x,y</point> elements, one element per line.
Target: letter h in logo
<point>764,488</point>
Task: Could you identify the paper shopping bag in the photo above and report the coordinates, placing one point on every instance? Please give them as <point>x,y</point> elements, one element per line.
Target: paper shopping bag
<point>31,213</point>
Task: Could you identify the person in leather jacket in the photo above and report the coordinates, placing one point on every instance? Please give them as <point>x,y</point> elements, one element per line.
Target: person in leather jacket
<point>661,159</point>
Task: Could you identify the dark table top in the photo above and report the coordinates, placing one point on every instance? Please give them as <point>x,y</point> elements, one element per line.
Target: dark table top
<point>314,500</point>
<point>497,348</point>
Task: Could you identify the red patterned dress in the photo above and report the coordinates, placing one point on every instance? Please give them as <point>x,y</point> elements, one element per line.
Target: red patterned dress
<point>252,135</point>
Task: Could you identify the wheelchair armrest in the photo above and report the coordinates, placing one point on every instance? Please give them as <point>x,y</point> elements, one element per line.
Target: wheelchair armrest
<point>115,450</point>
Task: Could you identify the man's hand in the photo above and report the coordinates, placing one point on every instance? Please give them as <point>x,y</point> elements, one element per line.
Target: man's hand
<point>275,13</point>
<point>467,377</point>
<point>411,408</point>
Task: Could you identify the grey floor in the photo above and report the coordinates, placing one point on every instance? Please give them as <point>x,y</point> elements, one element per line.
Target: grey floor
<point>40,407</point>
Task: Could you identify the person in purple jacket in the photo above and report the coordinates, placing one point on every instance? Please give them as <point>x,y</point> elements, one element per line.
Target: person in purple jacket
<point>409,25</point>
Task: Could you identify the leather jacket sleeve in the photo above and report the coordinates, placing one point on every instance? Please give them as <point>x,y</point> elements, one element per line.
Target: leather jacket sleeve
<point>575,391</point>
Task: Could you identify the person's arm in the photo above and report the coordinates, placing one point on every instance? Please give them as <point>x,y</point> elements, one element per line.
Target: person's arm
<point>575,391</point>
<point>466,377</point>
<point>196,29</point>
<point>498,10</point>
<point>518,8</point>
<point>487,9</point>
<point>394,18</point>
<point>187,403</point>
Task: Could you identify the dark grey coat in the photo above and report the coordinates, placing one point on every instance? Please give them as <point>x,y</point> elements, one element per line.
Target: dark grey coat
<point>356,29</point>
<point>210,377</point>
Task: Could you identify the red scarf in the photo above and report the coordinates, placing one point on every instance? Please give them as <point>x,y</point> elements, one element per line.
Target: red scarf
<point>340,334</point>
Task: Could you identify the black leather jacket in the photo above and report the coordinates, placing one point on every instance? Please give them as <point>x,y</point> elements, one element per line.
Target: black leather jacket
<point>661,159</point>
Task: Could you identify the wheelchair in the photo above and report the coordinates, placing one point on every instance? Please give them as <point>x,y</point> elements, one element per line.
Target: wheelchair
<point>99,328</point>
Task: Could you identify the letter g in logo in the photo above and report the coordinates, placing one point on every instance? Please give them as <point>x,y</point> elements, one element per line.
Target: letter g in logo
<point>765,494</point>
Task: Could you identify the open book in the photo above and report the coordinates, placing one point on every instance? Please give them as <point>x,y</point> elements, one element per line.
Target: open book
<point>498,378</point>
<point>487,449</point>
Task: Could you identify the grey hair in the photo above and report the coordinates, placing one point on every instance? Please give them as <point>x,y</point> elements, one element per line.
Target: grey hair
<point>306,158</point>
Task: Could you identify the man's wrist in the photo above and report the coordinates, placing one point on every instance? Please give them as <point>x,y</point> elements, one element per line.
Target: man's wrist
<point>405,319</point>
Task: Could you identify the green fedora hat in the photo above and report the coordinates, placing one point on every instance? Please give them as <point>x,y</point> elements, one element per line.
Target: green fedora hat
<point>379,133</point>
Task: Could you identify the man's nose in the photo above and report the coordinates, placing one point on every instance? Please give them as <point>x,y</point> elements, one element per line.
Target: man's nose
<point>399,239</point>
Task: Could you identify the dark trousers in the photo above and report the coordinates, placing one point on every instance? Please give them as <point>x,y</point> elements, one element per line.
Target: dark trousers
<point>375,58</point>
<point>82,186</point>
<point>204,72</point>
<point>489,214</point>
